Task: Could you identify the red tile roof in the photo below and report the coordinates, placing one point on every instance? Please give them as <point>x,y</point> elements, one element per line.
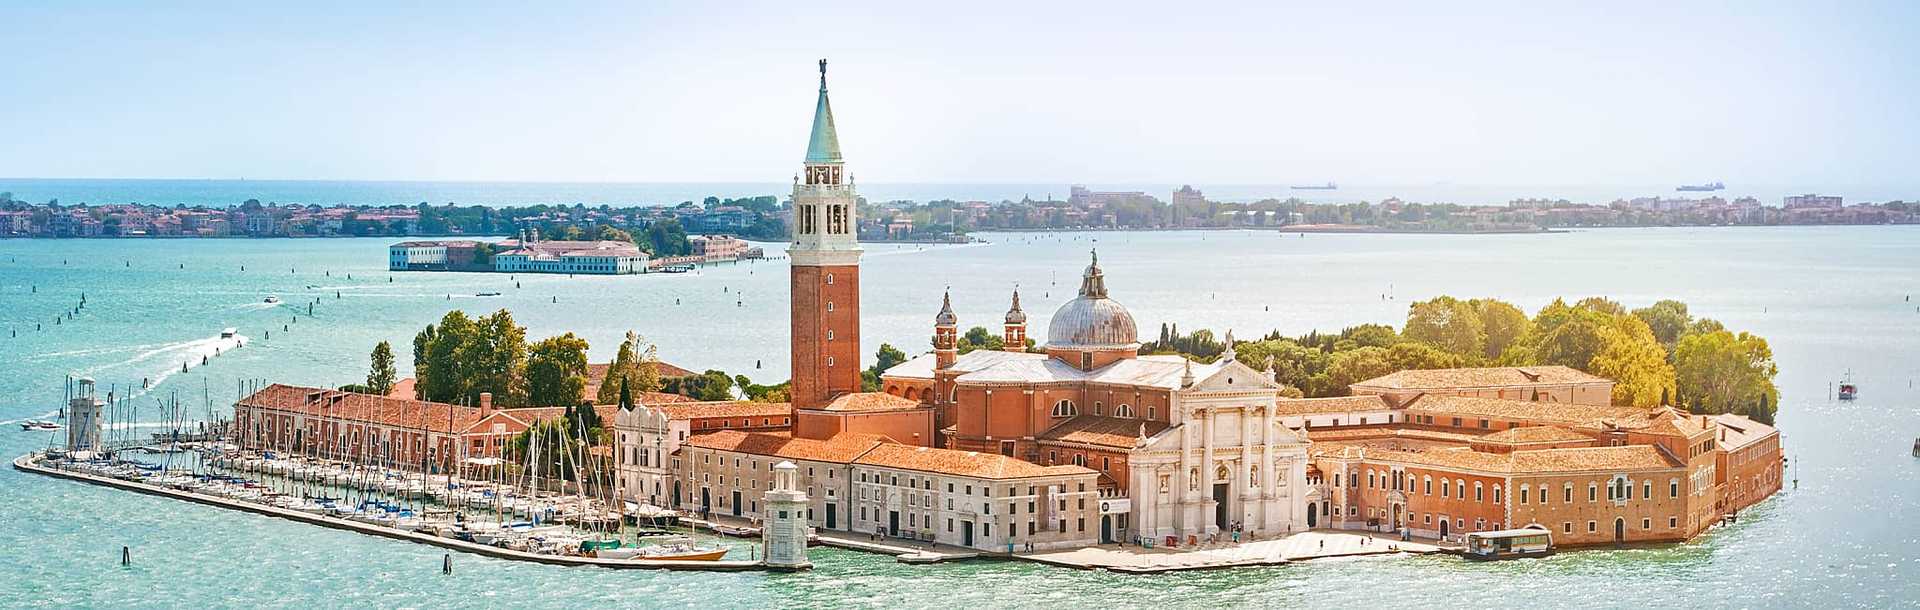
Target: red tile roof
<point>725,408</point>
<point>1115,432</point>
<point>840,449</point>
<point>351,406</point>
<point>1339,404</point>
<point>871,401</point>
<point>962,463</point>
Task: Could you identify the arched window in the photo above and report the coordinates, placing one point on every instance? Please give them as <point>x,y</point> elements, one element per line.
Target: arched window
<point>1496,493</point>
<point>1123,411</point>
<point>1099,408</point>
<point>1446,488</point>
<point>1428,480</point>
<point>1479,493</point>
<point>1064,408</point>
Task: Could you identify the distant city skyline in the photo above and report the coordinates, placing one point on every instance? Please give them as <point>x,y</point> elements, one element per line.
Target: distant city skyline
<point>1641,93</point>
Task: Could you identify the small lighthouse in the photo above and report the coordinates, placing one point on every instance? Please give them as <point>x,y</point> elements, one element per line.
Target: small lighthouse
<point>783,531</point>
<point>83,418</point>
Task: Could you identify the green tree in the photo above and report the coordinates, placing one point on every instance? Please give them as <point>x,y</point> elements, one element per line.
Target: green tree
<point>1667,318</point>
<point>442,379</point>
<point>979,337</point>
<point>1405,356</point>
<point>556,373</point>
<point>1634,359</point>
<point>1502,323</point>
<point>1721,372</point>
<point>1350,367</point>
<point>422,341</point>
<point>634,363</point>
<point>885,358</point>
<point>381,376</point>
<point>1447,323</point>
<point>493,359</point>
<point>711,385</point>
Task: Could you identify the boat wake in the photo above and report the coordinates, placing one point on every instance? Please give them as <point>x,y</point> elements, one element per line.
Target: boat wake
<point>187,355</point>
<point>43,416</point>
<point>260,306</point>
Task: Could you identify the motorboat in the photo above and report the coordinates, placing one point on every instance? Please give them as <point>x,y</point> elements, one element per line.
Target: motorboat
<point>683,549</point>
<point>272,299</point>
<point>1848,391</point>
<point>1531,541</point>
<point>32,425</point>
<point>229,332</point>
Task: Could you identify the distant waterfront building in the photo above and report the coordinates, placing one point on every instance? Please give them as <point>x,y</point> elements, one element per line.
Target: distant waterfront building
<point>586,257</point>
<point>434,255</point>
<point>1811,201</point>
<point>718,247</point>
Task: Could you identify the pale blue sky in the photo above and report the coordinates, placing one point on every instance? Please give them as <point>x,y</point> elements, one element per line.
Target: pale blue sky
<point>1522,93</point>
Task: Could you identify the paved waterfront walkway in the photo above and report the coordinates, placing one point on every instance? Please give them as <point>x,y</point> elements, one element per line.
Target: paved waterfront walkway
<point>907,551</point>
<point>1304,546</point>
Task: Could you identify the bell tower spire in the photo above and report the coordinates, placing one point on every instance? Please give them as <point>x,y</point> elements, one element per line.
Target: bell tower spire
<point>825,268</point>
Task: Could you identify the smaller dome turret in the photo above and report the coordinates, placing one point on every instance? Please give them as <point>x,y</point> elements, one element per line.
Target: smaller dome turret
<point>1016,315</point>
<point>946,316</point>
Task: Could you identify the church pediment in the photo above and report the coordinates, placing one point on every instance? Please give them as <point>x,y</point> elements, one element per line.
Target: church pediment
<point>1234,377</point>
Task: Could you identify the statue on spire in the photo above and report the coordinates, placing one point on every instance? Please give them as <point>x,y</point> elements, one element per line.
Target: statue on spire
<point>823,74</point>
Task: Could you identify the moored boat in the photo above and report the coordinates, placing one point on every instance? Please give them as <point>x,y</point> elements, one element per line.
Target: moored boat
<point>1530,541</point>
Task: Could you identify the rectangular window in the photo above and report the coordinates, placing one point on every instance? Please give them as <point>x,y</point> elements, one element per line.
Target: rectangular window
<point>1592,527</point>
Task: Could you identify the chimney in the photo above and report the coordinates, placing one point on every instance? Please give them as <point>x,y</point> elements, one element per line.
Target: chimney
<point>486,403</point>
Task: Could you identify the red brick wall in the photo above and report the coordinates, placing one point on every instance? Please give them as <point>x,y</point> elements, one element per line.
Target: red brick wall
<point>815,381</point>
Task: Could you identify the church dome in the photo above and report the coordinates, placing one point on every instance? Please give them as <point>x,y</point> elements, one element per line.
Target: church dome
<point>1091,320</point>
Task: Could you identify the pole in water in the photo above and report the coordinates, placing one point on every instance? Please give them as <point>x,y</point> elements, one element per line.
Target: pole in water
<point>446,564</point>
<point>126,556</point>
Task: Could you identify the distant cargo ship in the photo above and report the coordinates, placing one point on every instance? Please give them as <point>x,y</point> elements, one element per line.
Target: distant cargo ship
<point>1315,187</point>
<point>1715,186</point>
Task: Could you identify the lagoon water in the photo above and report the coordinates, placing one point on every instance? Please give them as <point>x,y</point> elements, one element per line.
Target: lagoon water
<point>1833,301</point>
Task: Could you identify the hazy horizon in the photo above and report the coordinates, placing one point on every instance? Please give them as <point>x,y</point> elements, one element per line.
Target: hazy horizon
<point>1002,94</point>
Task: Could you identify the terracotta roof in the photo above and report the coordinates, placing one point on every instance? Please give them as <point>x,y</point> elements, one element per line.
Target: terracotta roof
<point>1627,457</point>
<point>398,412</point>
<point>1338,404</point>
<point>725,408</point>
<point>1491,377</point>
<point>1671,422</point>
<point>1538,461</point>
<point>870,401</point>
<point>1533,434</point>
<point>1520,410</point>
<point>1116,432</point>
<point>961,463</point>
<point>1385,432</point>
<point>404,389</point>
<point>1738,431</point>
<point>840,449</point>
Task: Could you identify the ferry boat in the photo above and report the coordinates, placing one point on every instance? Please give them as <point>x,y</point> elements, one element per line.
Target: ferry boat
<point>1531,541</point>
<point>229,332</point>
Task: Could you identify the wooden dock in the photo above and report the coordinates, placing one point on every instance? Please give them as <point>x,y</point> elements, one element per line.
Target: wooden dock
<point>30,463</point>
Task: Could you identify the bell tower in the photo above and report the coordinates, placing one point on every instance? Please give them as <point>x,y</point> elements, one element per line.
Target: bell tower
<point>825,269</point>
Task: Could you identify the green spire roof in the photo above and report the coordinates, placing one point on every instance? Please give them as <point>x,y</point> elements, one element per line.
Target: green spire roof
<point>824,145</point>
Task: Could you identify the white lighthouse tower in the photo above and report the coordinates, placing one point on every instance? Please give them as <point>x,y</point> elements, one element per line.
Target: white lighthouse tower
<point>83,418</point>
<point>783,531</point>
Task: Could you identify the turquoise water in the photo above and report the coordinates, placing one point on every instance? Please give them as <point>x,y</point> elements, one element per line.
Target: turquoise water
<point>1830,299</point>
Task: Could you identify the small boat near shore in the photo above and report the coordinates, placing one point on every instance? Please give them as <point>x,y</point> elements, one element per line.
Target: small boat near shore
<point>229,332</point>
<point>35,425</point>
<point>272,299</point>
<point>1508,544</point>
